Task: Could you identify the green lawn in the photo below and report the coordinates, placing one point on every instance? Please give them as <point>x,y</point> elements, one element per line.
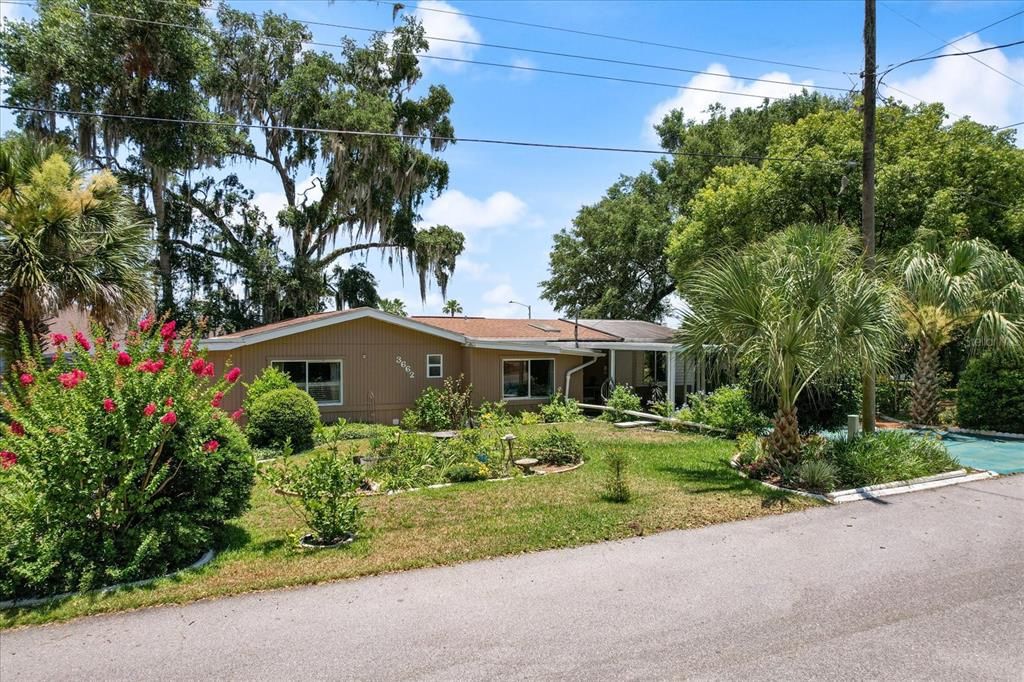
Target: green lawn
<point>678,481</point>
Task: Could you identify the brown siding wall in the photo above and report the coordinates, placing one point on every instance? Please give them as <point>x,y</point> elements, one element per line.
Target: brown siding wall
<point>374,385</point>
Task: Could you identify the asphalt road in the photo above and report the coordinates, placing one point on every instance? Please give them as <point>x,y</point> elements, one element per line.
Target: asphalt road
<point>925,586</point>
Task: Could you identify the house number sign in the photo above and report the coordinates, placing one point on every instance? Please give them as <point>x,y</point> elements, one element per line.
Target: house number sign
<point>406,366</point>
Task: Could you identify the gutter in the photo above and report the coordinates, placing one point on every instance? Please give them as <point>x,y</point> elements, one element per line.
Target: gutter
<point>570,372</point>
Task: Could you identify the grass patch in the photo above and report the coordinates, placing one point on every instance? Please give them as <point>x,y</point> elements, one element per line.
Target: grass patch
<point>675,481</point>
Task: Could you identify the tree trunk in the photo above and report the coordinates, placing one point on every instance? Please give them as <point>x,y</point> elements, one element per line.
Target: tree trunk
<point>784,440</point>
<point>163,241</point>
<point>924,393</point>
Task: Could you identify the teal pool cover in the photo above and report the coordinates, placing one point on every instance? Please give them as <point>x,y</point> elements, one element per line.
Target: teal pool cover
<point>1003,456</point>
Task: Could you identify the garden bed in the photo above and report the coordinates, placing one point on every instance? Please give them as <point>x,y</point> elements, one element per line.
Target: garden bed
<point>678,481</point>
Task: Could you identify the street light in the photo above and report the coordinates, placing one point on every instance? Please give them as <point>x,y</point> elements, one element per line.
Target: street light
<point>529,309</point>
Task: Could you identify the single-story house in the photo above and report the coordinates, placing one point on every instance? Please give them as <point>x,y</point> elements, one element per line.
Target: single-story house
<point>367,365</point>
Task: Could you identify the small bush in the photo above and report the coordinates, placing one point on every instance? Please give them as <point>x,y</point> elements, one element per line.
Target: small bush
<point>527,418</point>
<point>622,398</point>
<point>555,447</point>
<point>441,409</point>
<point>817,475</point>
<point>346,430</point>
<point>283,414</point>
<point>493,415</point>
<point>465,472</point>
<point>270,379</point>
<point>750,448</point>
<point>400,461</point>
<point>322,493</point>
<point>561,409</point>
<point>662,408</point>
<point>617,485</point>
<point>820,406</point>
<point>728,408</point>
<point>991,394</point>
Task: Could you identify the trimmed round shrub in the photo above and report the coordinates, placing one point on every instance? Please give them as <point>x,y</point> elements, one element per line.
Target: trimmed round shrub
<point>282,414</point>
<point>991,394</point>
<point>270,379</point>
<point>116,465</point>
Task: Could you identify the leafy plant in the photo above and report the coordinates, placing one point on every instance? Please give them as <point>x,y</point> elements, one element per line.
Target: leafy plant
<point>441,409</point>
<point>561,409</point>
<point>283,414</point>
<point>465,472</point>
<point>727,408</point>
<point>116,463</point>
<point>887,456</point>
<point>991,394</point>
<point>493,415</point>
<point>750,448</point>
<point>270,379</point>
<point>622,398</point>
<point>323,492</point>
<point>555,447</point>
<point>346,430</point>
<point>617,485</point>
<point>817,475</point>
<point>527,418</point>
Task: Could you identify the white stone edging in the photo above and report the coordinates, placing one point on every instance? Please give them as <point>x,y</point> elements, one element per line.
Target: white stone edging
<point>939,428</point>
<point>36,601</point>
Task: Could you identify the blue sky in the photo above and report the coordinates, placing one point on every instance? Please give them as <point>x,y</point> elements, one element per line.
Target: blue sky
<point>510,201</point>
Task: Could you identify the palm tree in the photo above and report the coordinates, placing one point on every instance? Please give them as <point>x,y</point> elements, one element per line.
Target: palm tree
<point>971,287</point>
<point>796,309</point>
<point>65,241</point>
<point>452,308</point>
<point>395,306</point>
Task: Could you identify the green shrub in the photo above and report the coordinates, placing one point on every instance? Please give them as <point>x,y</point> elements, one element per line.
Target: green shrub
<point>622,398</point>
<point>323,492</point>
<point>555,447</point>
<point>991,394</point>
<point>282,414</point>
<point>270,379</point>
<point>561,409</point>
<point>728,408</point>
<point>892,397</point>
<point>887,456</point>
<point>528,418</point>
<point>346,430</point>
<point>819,407</point>
<point>817,475</point>
<point>617,485</point>
<point>440,409</point>
<point>493,415</point>
<point>116,465</point>
<point>465,472</point>
<point>751,449</point>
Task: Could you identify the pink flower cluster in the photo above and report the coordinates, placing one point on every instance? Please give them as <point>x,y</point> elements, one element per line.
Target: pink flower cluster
<point>58,340</point>
<point>202,368</point>
<point>211,446</point>
<point>17,429</point>
<point>109,405</point>
<point>82,341</point>
<point>72,378</point>
<point>151,366</point>
<point>7,459</point>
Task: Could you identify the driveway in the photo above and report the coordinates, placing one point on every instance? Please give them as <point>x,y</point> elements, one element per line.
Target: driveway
<point>925,586</point>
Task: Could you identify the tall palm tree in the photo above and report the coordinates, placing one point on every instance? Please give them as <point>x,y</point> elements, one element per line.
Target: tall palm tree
<point>395,306</point>
<point>65,241</point>
<point>969,286</point>
<point>796,309</point>
<point>452,308</point>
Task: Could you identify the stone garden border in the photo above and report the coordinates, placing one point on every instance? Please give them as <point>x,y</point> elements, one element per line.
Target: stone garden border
<point>36,601</point>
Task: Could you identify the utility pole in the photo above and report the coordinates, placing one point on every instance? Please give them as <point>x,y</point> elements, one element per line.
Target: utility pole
<point>868,190</point>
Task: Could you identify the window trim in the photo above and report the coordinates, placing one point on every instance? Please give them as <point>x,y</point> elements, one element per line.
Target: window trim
<point>529,379</point>
<point>341,377</point>
<point>439,365</point>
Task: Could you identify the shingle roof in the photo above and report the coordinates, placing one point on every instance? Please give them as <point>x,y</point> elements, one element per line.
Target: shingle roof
<point>636,331</point>
<point>485,328</point>
<point>286,323</point>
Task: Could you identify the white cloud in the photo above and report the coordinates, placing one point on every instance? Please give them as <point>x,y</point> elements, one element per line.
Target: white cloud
<point>466,214</point>
<point>968,88</point>
<point>498,298</point>
<point>695,103</point>
<point>443,25</point>
<point>520,73</point>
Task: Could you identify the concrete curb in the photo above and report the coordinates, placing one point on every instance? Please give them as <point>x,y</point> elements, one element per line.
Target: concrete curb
<point>36,601</point>
<point>938,428</point>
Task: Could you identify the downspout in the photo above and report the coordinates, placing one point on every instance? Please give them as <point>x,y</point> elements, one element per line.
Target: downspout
<point>569,373</point>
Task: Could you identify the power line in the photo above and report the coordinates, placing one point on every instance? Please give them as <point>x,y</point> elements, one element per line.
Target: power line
<point>1012,125</point>
<point>410,136</point>
<point>636,41</point>
<point>972,33</point>
<point>961,54</point>
<point>985,64</point>
<point>516,67</point>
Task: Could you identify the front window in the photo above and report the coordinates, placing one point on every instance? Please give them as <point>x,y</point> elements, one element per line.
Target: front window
<point>528,378</point>
<point>435,366</point>
<point>655,367</point>
<point>321,379</point>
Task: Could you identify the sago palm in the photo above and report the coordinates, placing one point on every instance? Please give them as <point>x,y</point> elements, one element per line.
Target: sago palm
<point>65,241</point>
<point>969,286</point>
<point>797,308</point>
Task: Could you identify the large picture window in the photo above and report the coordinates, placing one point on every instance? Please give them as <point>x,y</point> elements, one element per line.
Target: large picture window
<point>528,378</point>
<point>321,379</point>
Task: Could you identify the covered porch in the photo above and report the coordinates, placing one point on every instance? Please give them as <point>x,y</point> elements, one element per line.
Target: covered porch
<point>658,372</point>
